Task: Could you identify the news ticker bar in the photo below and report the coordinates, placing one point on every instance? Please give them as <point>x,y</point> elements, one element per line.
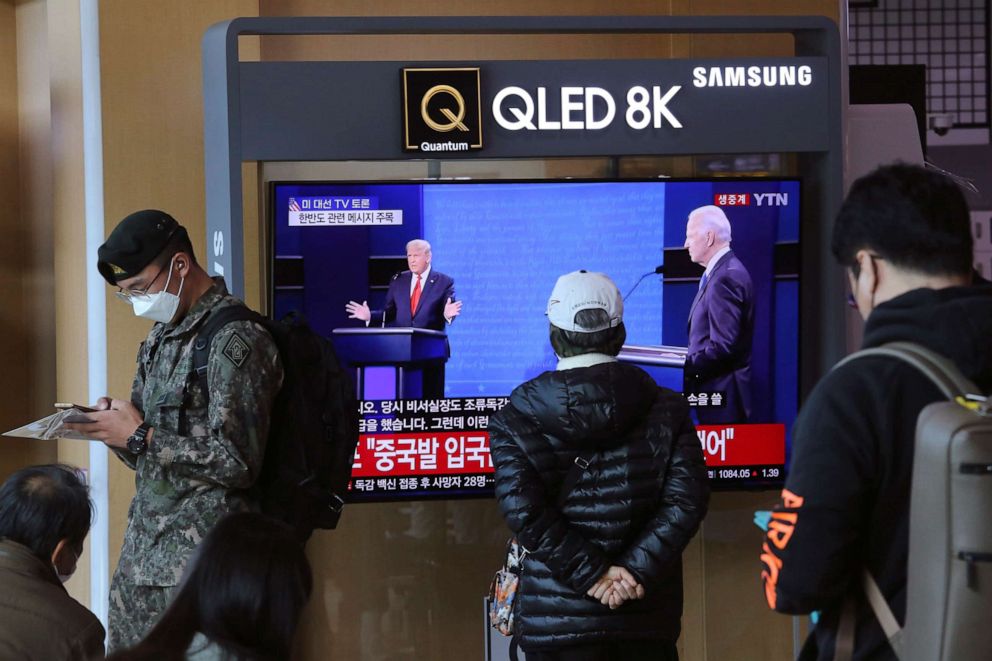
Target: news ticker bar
<point>389,488</point>
<point>483,484</point>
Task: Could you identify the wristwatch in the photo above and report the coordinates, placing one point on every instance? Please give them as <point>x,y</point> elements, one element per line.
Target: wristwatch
<point>136,442</point>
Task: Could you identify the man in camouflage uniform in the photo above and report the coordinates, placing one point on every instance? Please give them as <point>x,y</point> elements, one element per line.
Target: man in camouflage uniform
<point>194,461</point>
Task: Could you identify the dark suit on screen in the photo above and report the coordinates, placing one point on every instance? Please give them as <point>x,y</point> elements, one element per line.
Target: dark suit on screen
<point>721,329</point>
<point>434,293</point>
<point>435,290</point>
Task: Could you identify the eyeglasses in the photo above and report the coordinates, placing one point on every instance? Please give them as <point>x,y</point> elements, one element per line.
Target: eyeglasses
<point>856,270</point>
<point>130,295</point>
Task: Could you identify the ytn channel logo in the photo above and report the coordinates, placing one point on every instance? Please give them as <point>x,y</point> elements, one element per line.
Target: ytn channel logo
<point>746,199</point>
<point>442,111</point>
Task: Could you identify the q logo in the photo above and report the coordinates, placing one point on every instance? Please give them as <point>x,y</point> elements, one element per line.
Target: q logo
<point>455,119</point>
<point>442,111</point>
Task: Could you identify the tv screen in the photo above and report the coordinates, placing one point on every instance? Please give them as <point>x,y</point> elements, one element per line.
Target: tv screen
<point>428,387</point>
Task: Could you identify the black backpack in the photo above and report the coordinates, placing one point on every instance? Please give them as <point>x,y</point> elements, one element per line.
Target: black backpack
<point>314,426</point>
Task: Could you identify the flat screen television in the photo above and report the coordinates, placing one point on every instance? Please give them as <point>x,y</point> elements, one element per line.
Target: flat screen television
<point>504,243</point>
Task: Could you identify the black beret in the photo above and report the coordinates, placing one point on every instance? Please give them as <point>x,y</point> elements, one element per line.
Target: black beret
<point>134,243</point>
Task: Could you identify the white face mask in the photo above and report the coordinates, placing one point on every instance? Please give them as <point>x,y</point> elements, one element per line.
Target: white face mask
<point>160,306</point>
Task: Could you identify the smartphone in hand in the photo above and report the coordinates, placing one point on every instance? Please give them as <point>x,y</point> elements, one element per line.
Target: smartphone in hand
<point>65,406</point>
<point>79,407</point>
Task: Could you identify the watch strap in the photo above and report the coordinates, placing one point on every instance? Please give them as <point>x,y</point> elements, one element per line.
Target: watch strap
<point>137,442</point>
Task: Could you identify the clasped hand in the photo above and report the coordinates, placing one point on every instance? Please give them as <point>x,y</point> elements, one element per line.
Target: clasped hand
<point>615,587</point>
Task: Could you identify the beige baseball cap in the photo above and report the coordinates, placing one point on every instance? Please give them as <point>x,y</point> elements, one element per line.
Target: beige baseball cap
<point>584,290</point>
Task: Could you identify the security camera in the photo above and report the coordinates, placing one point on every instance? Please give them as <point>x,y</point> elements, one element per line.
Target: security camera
<point>941,123</point>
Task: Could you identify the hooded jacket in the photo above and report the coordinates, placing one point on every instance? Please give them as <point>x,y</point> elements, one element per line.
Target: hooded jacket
<point>637,505</point>
<point>846,501</point>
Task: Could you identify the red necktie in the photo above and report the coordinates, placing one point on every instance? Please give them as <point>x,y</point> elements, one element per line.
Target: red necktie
<point>415,297</point>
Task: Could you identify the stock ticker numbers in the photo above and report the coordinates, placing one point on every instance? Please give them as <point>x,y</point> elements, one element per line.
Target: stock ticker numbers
<point>749,475</point>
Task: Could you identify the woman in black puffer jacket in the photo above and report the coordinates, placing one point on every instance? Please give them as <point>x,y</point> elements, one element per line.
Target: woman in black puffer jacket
<point>630,513</point>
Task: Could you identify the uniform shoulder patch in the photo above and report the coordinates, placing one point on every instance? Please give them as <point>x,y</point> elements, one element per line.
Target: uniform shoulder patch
<point>237,350</point>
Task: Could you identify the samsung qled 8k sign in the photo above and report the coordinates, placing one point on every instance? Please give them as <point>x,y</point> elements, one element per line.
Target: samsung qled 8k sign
<point>640,106</point>
<point>617,107</point>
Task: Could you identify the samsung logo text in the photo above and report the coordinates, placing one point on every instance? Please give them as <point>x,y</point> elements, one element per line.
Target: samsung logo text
<point>784,75</point>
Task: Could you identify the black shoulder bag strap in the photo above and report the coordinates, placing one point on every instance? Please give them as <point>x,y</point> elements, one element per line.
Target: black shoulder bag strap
<point>214,322</point>
<point>582,461</point>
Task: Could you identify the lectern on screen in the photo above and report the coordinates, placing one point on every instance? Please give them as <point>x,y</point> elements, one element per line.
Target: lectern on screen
<point>504,243</point>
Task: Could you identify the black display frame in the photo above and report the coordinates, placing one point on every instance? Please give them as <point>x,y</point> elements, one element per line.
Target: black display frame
<point>751,484</point>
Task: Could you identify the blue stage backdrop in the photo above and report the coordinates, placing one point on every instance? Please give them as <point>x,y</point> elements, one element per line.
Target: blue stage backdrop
<point>506,244</point>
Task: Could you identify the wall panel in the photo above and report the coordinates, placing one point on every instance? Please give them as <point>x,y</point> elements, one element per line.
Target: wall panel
<point>26,317</point>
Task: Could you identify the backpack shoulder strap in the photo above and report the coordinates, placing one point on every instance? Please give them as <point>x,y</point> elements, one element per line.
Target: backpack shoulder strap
<point>844,642</point>
<point>886,618</point>
<point>214,322</point>
<point>939,369</point>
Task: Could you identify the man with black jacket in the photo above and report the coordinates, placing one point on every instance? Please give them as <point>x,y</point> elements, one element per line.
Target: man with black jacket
<point>600,475</point>
<point>904,235</point>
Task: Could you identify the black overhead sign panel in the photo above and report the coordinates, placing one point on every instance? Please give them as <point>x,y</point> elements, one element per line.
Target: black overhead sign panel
<point>528,109</point>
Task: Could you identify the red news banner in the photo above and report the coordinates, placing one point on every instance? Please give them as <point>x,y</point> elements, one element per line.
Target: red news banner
<point>738,453</point>
<point>441,447</point>
<point>422,454</point>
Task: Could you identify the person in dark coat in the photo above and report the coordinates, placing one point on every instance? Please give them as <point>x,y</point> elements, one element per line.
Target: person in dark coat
<point>602,578</point>
<point>903,235</point>
<point>721,320</point>
<point>45,514</point>
<point>418,298</point>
